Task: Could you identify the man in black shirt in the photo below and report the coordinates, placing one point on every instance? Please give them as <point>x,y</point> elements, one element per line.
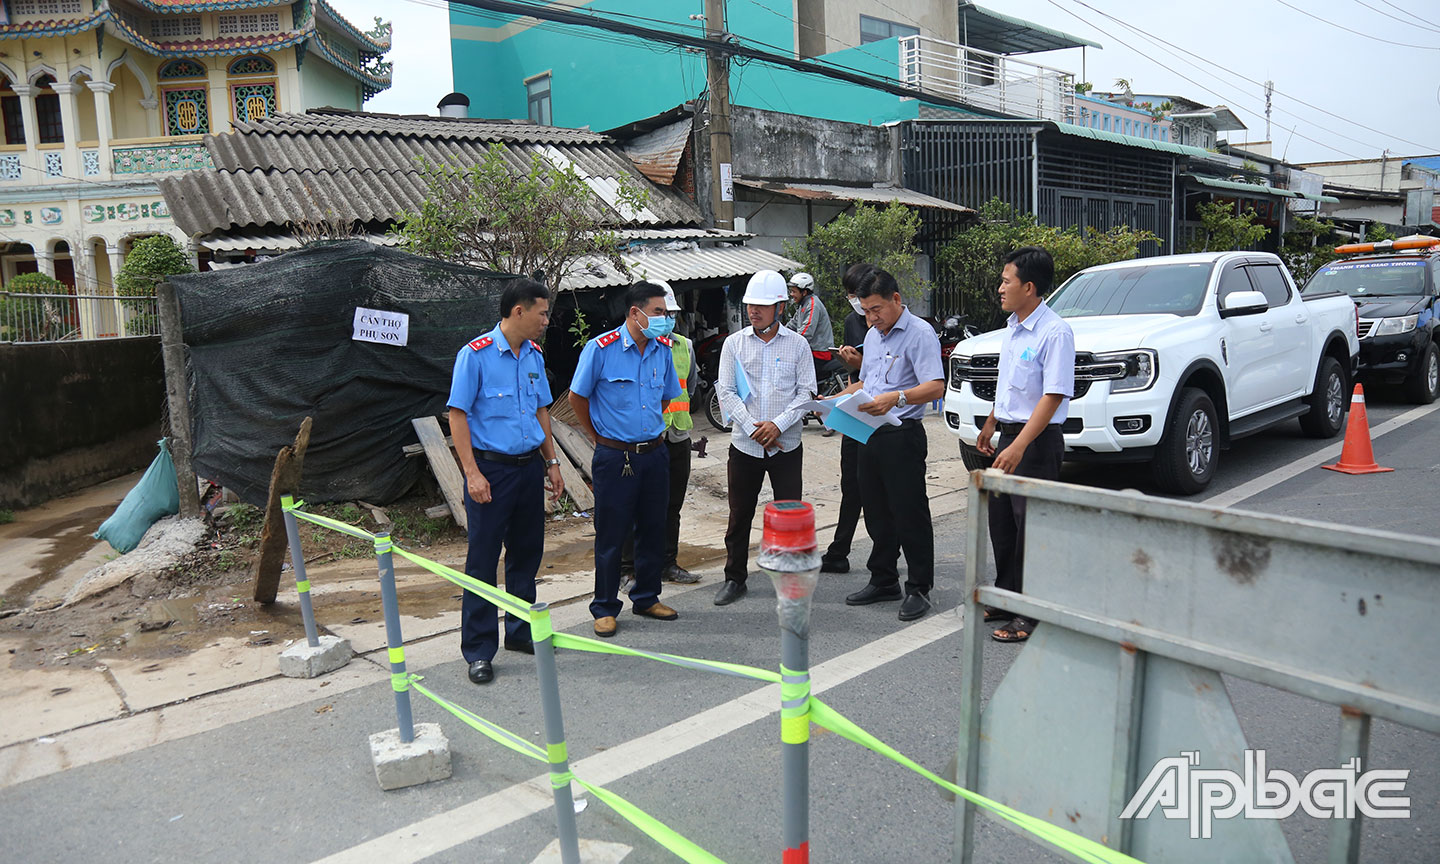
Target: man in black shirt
<point>837,557</point>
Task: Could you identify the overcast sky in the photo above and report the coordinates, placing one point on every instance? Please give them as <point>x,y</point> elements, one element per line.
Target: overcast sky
<point>1310,61</point>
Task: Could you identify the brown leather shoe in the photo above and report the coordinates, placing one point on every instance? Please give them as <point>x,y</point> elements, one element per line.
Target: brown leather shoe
<point>659,611</point>
<point>606,627</point>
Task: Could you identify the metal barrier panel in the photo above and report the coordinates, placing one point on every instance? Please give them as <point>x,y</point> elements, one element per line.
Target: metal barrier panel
<point>1138,600</point>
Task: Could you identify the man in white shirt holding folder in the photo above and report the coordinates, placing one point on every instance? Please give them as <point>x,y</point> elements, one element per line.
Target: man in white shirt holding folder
<point>765,376</point>
<point>901,370</point>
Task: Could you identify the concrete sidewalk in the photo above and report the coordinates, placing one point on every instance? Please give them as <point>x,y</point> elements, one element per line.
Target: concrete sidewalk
<point>62,718</point>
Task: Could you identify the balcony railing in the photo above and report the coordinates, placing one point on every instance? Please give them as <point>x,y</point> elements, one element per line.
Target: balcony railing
<point>152,159</point>
<point>68,317</point>
<point>990,81</point>
<point>127,157</point>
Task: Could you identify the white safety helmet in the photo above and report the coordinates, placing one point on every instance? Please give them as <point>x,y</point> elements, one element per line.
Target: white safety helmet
<point>803,281</point>
<point>671,304</point>
<point>766,288</point>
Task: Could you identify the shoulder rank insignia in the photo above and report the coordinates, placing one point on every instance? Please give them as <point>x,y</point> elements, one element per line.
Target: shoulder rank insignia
<point>536,346</point>
<point>609,338</point>
<point>665,340</point>
<point>482,342</point>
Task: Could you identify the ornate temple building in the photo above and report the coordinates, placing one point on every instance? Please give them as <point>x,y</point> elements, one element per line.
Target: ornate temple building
<point>98,98</point>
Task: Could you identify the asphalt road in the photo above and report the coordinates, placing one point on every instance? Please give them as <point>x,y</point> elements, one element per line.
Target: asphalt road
<point>296,785</point>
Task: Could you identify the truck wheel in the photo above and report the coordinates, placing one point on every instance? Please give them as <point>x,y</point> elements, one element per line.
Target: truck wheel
<point>1186,458</point>
<point>1425,386</point>
<point>974,460</point>
<point>1328,401</point>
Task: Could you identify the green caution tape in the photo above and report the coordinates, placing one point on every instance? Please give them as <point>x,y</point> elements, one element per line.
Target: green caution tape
<point>558,753</point>
<point>508,602</point>
<point>332,524</point>
<point>302,586</point>
<point>540,626</point>
<point>399,682</point>
<point>397,654</point>
<point>584,643</point>
<point>383,544</point>
<point>657,830</point>
<point>1081,847</point>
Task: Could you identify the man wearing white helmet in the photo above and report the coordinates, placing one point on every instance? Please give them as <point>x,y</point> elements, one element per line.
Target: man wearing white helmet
<point>765,376</point>
<point>678,424</point>
<point>812,319</point>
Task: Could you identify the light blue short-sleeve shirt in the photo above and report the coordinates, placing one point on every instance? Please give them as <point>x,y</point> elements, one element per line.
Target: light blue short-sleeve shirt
<point>627,389</point>
<point>501,392</point>
<point>907,356</point>
<point>1037,357</point>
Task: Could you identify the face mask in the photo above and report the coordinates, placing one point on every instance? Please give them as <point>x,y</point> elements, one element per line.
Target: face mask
<point>657,326</point>
<point>855,304</point>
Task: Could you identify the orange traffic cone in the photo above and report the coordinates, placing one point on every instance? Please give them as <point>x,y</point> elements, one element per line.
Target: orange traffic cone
<point>1356,457</point>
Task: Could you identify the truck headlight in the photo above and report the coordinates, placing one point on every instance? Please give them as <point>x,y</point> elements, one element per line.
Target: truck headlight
<point>959,369</point>
<point>1139,371</point>
<point>1395,326</point>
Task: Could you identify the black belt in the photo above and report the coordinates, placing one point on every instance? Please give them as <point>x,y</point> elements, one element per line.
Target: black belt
<point>908,423</point>
<point>506,458</point>
<point>631,447</point>
<point>1016,428</point>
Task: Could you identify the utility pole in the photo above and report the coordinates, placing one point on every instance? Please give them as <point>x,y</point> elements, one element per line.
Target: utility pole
<point>722,184</point>
<point>1269,91</point>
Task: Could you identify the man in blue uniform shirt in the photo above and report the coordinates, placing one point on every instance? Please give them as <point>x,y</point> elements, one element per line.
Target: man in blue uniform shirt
<point>622,384</point>
<point>901,371</point>
<point>500,423</point>
<point>1032,399</point>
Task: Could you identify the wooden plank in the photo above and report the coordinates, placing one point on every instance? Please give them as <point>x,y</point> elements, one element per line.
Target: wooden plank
<point>439,511</point>
<point>284,480</point>
<point>417,450</point>
<point>177,389</point>
<point>442,462</point>
<point>575,445</point>
<point>575,483</point>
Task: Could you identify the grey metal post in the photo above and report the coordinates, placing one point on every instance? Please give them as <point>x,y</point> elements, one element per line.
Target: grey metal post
<point>297,562</point>
<point>556,749</point>
<point>1354,744</point>
<point>795,754</point>
<point>393,639</point>
<point>972,665</point>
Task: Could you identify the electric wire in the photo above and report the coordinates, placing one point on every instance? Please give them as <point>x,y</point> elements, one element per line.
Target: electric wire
<point>1356,32</point>
<point>1416,22</point>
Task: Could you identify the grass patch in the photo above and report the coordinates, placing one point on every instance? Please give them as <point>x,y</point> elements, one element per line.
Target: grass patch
<point>7,516</point>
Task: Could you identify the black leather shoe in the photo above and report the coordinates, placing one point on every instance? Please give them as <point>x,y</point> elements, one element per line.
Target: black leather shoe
<point>873,594</point>
<point>729,593</point>
<point>915,606</point>
<point>679,575</point>
<point>524,646</point>
<point>834,565</point>
<point>481,672</point>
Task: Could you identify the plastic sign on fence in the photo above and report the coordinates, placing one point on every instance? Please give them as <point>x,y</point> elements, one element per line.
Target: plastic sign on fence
<point>386,328</point>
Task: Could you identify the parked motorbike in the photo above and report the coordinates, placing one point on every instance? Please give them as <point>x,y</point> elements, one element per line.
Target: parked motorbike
<point>955,330</point>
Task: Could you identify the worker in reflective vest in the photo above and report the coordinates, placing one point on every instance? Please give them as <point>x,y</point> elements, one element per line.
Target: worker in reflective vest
<point>678,423</point>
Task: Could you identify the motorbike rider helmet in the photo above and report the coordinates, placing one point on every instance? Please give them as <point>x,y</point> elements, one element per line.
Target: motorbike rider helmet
<point>804,281</point>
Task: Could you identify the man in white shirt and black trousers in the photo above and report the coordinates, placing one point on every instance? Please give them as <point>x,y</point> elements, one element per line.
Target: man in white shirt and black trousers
<point>1032,400</point>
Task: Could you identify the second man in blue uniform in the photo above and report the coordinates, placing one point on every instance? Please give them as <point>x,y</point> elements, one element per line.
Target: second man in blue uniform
<point>622,384</point>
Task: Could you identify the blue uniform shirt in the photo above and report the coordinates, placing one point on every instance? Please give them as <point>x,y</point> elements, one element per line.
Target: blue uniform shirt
<point>626,389</point>
<point>501,393</point>
<point>906,357</point>
<point>1037,358</point>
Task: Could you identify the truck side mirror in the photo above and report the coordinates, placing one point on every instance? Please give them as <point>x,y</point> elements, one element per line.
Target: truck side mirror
<point>1243,303</point>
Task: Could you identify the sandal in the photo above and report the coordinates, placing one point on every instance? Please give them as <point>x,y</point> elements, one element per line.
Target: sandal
<point>1018,630</point>
<point>993,614</point>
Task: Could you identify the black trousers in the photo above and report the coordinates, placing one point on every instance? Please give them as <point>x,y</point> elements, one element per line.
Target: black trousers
<point>679,482</point>
<point>897,507</point>
<point>746,476</point>
<point>624,502</point>
<point>1007,512</point>
<point>514,518</point>
<point>849,501</point>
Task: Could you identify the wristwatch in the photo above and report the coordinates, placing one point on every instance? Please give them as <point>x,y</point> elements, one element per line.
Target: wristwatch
<point>549,462</point>
<point>901,403</point>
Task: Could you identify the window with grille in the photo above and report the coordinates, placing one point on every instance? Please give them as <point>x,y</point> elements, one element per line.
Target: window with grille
<point>875,29</point>
<point>252,102</point>
<point>186,111</point>
<point>182,69</point>
<point>171,27</point>
<point>250,22</point>
<point>252,66</point>
<point>14,119</point>
<point>47,112</point>
<point>46,7</point>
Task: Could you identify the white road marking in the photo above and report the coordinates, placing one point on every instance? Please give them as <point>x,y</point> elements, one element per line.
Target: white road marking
<point>1231,497</point>
<point>420,840</point>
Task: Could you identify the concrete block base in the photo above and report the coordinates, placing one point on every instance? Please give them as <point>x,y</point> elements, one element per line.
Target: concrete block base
<point>302,661</point>
<point>398,765</point>
<point>591,852</point>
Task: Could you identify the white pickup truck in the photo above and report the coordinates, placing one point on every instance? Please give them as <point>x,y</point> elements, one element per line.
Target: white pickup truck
<point>1176,357</point>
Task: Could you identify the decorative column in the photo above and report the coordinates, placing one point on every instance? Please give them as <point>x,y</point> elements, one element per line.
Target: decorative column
<point>103,130</point>
<point>152,116</point>
<point>45,263</point>
<point>70,117</point>
<point>86,283</point>
<point>31,158</point>
<point>116,259</point>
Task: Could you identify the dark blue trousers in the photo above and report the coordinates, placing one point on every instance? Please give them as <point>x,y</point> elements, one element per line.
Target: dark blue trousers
<point>514,517</point>
<point>639,500</point>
